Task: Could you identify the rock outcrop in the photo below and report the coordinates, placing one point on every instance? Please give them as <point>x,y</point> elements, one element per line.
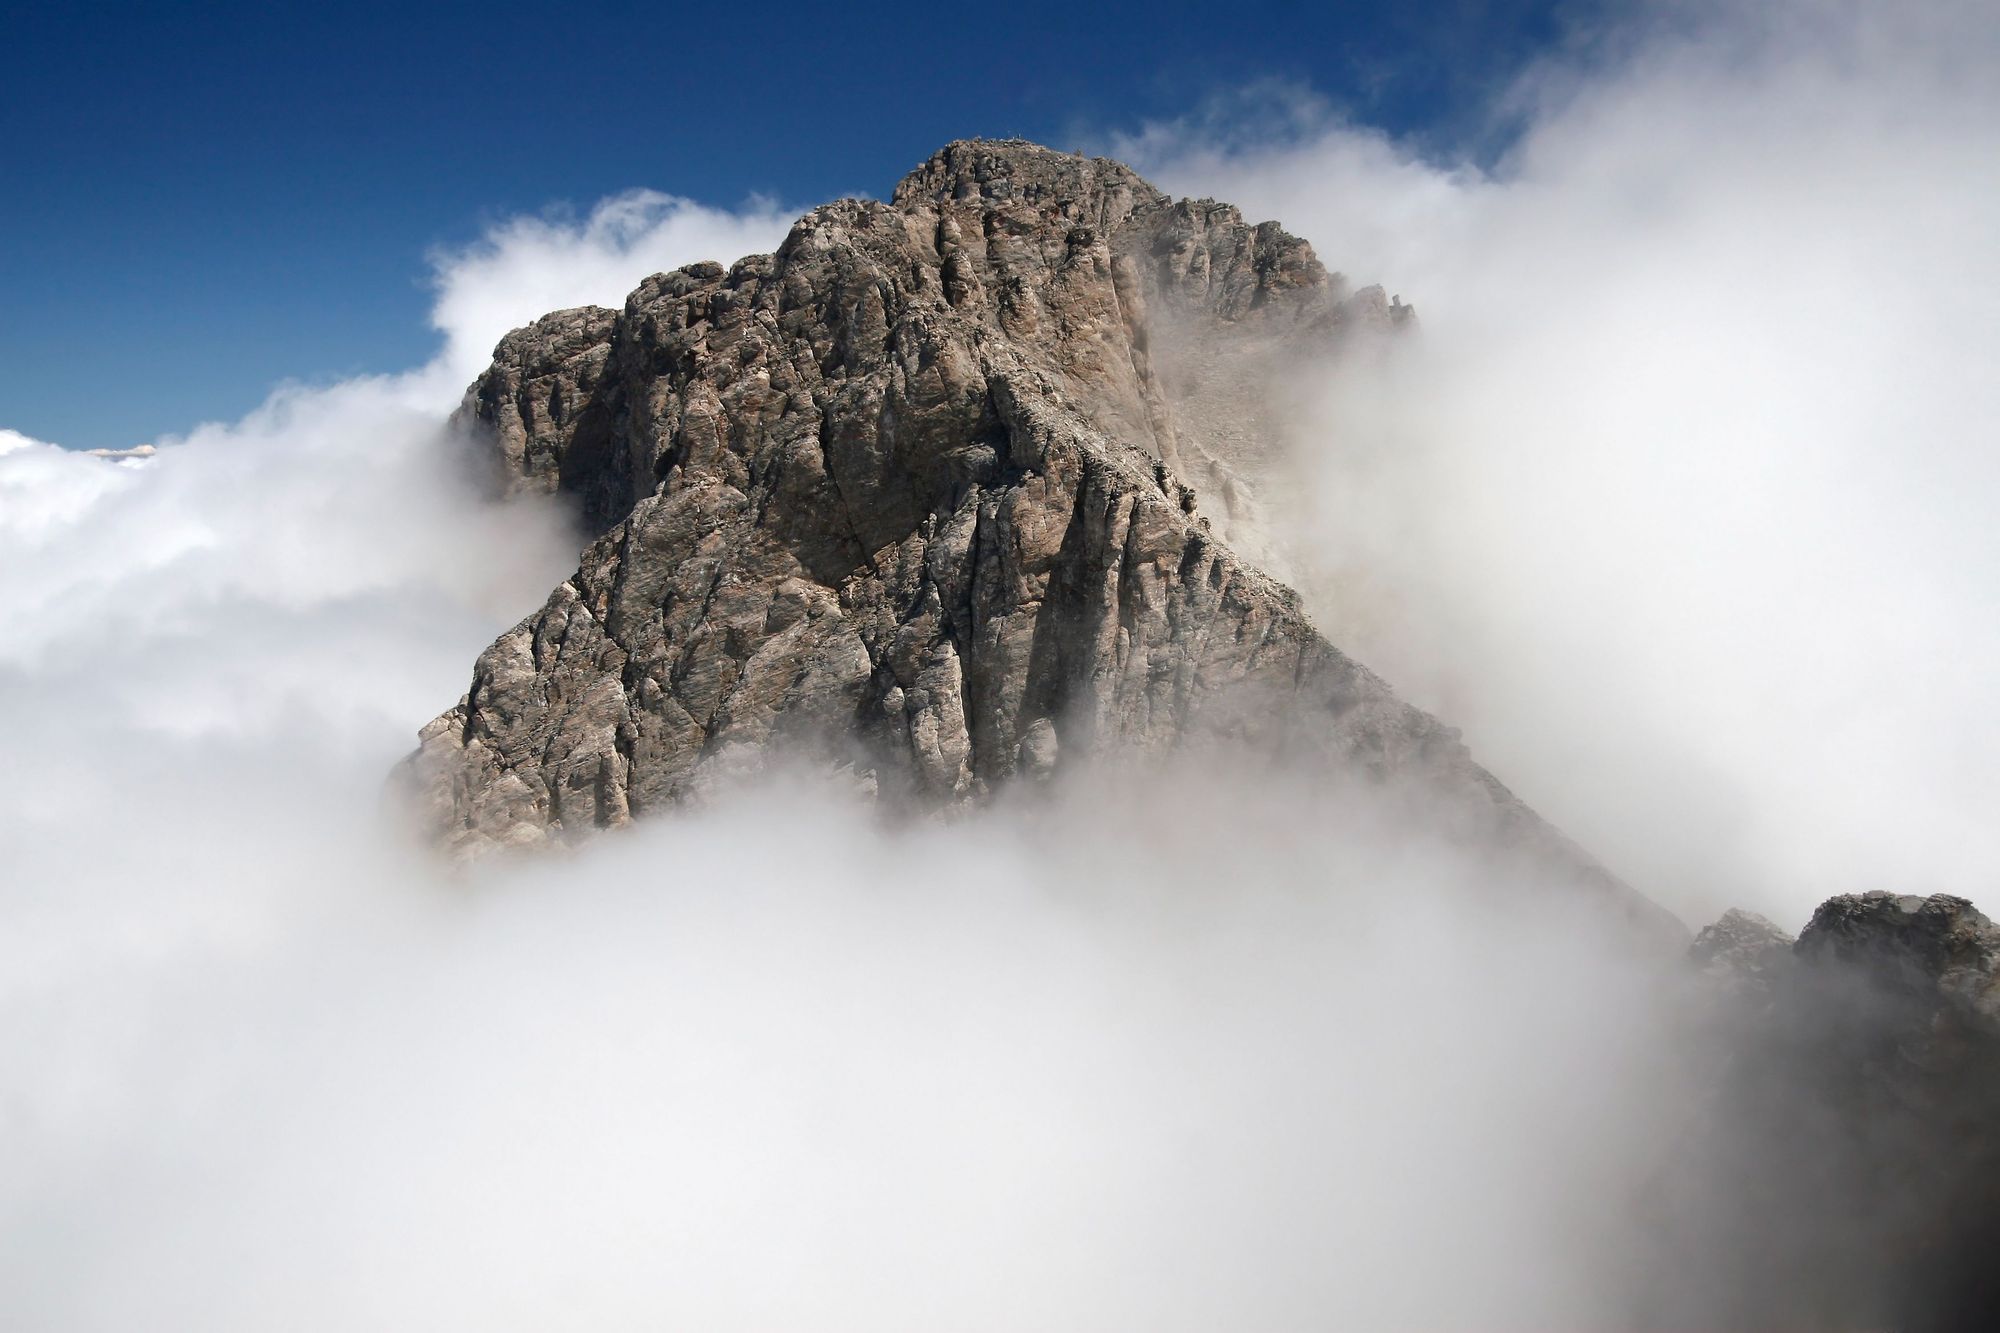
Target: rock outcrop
<point>1742,954</point>
<point>1846,1172</point>
<point>941,493</point>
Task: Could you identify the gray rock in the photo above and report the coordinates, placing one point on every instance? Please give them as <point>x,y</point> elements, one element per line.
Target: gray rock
<point>1743,953</point>
<point>939,494</point>
<point>1931,960</point>
<point>1845,1170</point>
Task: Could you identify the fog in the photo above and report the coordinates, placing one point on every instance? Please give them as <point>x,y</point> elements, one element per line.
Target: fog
<point>1172,1051</point>
<point>1681,502</point>
<point>1686,534</point>
<point>842,1077</point>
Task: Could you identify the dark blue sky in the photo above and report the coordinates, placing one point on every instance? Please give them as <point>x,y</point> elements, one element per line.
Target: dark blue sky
<point>198,200</point>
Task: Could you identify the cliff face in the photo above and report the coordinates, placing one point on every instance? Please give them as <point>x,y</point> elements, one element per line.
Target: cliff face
<point>939,493</point>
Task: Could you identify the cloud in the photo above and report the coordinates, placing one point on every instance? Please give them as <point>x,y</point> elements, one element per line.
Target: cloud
<point>333,499</point>
<point>10,440</point>
<point>1030,1070</point>
<point>1679,502</point>
<point>236,637</point>
<point>527,266</point>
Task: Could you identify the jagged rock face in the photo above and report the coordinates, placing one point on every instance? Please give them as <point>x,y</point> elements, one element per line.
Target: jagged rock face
<point>915,496</point>
<point>1742,953</point>
<point>1847,1172</point>
<point>1158,322</point>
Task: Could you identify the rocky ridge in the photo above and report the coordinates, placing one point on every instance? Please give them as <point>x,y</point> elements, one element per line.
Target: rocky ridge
<point>941,494</point>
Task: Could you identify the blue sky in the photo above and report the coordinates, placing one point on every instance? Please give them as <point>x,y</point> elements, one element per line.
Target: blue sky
<point>202,201</point>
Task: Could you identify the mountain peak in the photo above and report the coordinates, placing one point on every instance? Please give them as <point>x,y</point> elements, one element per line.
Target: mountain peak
<point>1017,169</point>
<point>948,494</point>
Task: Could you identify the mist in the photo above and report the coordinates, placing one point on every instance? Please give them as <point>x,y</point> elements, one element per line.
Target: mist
<point>1687,537</point>
<point>778,1066</point>
<point>1680,501</point>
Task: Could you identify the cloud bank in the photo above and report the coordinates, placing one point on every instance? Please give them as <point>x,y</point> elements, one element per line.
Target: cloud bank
<point>1681,504</point>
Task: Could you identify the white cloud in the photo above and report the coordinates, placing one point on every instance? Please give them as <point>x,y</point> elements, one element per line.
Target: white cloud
<point>528,266</point>
<point>340,496</point>
<point>1681,501</point>
<point>265,609</point>
<point>10,440</point>
<point>1023,1071</point>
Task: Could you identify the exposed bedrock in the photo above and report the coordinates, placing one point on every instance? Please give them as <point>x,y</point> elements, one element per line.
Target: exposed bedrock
<point>947,492</point>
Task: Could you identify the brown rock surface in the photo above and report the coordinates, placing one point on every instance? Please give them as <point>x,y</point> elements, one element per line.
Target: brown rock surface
<point>925,494</point>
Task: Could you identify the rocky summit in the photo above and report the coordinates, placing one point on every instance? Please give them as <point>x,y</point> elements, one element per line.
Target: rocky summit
<point>950,492</point>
